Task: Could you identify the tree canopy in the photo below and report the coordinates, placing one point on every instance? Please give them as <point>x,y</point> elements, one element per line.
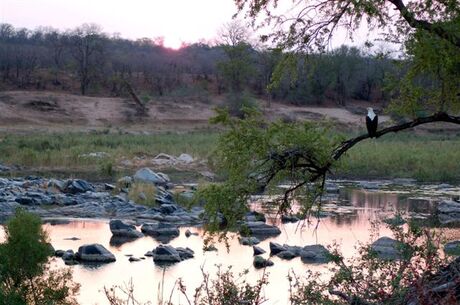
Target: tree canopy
<point>258,155</point>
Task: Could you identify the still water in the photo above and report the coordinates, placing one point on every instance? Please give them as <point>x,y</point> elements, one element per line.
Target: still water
<point>348,230</point>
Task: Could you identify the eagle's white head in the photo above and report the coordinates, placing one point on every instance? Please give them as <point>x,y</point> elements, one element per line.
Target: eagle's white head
<point>370,113</point>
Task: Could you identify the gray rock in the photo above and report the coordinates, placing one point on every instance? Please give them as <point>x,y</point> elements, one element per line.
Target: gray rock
<point>57,184</point>
<point>188,233</point>
<point>276,248</point>
<point>4,168</point>
<point>210,248</point>
<point>68,255</point>
<point>77,186</point>
<point>315,254</point>
<point>249,241</point>
<point>185,158</point>
<point>122,229</point>
<point>168,208</point>
<point>289,218</point>
<point>254,216</point>
<point>260,262</point>
<point>146,175</point>
<point>160,229</point>
<point>452,248</point>
<point>134,259</point>
<point>59,253</point>
<point>261,229</point>
<point>185,253</point>
<point>258,250</point>
<point>286,255</point>
<point>23,200</point>
<point>109,187</point>
<point>148,253</point>
<point>94,253</point>
<point>448,212</point>
<point>165,253</point>
<point>387,248</point>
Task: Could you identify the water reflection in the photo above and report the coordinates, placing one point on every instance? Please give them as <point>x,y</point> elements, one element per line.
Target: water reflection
<point>146,276</point>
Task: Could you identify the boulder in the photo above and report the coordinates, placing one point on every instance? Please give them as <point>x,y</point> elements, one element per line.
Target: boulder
<point>387,248</point>
<point>276,248</point>
<point>185,253</point>
<point>167,254</point>
<point>289,218</point>
<point>68,255</point>
<point>452,248</point>
<point>249,241</point>
<point>185,158</point>
<point>315,254</point>
<point>260,262</point>
<point>94,253</point>
<point>122,229</point>
<point>77,186</point>
<point>286,255</point>
<point>260,228</point>
<point>146,175</point>
<point>160,229</point>
<point>448,212</point>
<point>258,250</point>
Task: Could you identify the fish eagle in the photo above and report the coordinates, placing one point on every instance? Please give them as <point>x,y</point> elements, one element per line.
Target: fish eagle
<point>372,121</point>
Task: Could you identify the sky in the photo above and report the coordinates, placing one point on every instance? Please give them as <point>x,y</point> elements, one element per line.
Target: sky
<point>176,20</point>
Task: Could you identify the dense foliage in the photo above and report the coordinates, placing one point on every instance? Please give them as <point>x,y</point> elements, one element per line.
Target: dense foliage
<point>25,274</point>
<point>86,60</point>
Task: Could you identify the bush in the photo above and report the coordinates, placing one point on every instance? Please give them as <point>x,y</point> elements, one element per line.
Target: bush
<point>25,275</point>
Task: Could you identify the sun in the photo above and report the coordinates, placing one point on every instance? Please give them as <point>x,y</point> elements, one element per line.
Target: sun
<point>172,43</point>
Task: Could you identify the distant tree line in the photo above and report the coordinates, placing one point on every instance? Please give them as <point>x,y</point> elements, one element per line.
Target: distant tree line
<point>86,60</point>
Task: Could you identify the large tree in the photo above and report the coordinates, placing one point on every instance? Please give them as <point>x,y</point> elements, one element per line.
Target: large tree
<point>257,155</point>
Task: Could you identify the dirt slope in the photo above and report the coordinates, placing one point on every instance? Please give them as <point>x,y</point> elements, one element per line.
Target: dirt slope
<point>50,110</point>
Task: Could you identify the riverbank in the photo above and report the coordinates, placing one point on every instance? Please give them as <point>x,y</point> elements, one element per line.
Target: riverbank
<point>105,155</point>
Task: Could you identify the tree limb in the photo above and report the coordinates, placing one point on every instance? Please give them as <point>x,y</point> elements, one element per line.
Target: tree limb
<point>437,29</point>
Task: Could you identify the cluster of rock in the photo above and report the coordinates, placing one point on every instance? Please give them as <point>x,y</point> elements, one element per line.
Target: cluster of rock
<point>312,254</point>
<point>80,199</point>
<point>88,254</point>
<point>165,254</point>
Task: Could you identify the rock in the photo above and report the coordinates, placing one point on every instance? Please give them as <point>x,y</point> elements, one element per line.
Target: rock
<point>452,248</point>
<point>258,250</point>
<point>146,175</point>
<point>387,248</point>
<point>261,229</point>
<point>209,248</point>
<point>286,255</point>
<point>72,238</point>
<point>249,241</point>
<point>185,158</point>
<point>134,259</point>
<point>165,253</point>
<point>289,218</point>
<point>448,212</point>
<point>23,200</point>
<point>160,229</point>
<point>148,253</point>
<point>59,253</point>
<point>185,253</point>
<point>276,248</point>
<point>57,184</point>
<point>315,254</point>
<point>94,253</point>
<point>4,168</point>
<point>68,255</point>
<point>77,186</point>
<point>122,229</point>
<point>260,262</point>
<point>188,233</point>
<point>109,187</point>
<point>254,216</point>
<point>168,208</point>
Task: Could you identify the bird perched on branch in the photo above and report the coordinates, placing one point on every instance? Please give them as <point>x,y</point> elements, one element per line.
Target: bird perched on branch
<point>372,121</point>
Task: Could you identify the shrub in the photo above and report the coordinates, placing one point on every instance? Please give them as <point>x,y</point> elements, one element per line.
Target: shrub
<point>25,275</point>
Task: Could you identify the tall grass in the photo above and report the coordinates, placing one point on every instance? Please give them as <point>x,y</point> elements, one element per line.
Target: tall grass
<point>423,157</point>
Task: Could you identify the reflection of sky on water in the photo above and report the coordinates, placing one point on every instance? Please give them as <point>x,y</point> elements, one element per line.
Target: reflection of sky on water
<point>146,276</point>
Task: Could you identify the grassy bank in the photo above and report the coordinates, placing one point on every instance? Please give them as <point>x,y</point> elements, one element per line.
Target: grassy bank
<point>425,158</point>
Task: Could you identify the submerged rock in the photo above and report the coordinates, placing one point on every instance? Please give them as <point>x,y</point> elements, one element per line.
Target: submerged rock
<point>315,254</point>
<point>452,248</point>
<point>94,253</point>
<point>258,250</point>
<point>449,212</point>
<point>122,229</point>
<point>387,248</point>
<point>260,262</point>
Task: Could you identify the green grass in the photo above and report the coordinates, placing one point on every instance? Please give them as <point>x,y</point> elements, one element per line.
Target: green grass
<point>64,151</point>
<point>403,155</point>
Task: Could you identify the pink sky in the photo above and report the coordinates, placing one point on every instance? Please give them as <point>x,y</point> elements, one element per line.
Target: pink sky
<point>176,20</point>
